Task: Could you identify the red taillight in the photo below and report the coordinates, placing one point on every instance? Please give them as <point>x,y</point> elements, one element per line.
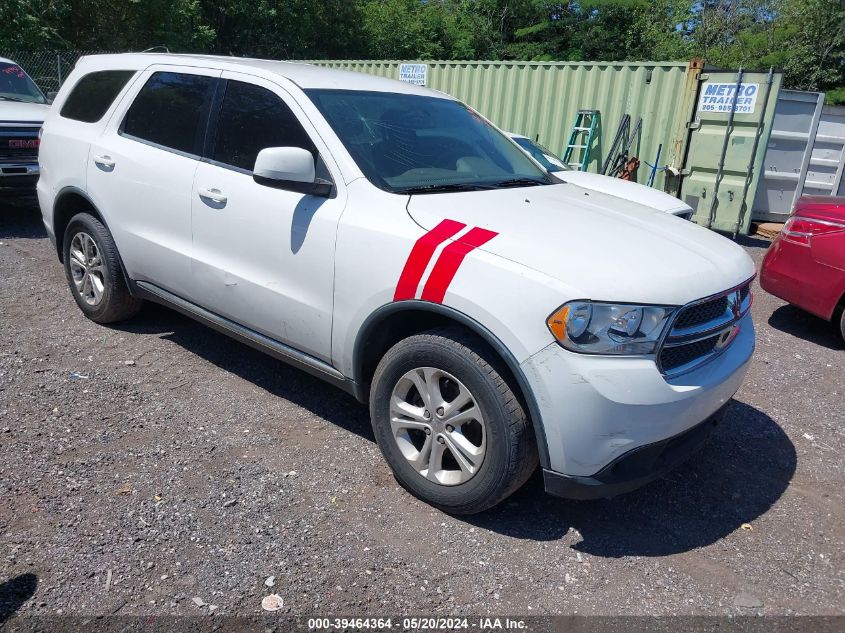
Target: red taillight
<point>800,230</point>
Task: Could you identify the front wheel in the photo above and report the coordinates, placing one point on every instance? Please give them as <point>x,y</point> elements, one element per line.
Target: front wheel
<point>449,424</point>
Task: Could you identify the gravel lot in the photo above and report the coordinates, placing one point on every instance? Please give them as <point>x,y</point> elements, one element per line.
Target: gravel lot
<point>155,462</point>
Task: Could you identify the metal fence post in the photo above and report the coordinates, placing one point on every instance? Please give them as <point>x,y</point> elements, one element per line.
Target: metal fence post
<point>59,68</point>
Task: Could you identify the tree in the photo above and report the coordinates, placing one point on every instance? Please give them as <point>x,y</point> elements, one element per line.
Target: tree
<point>284,29</point>
<point>815,32</point>
<point>31,24</point>
<point>804,38</point>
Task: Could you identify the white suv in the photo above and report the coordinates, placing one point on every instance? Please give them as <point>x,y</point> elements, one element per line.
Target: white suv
<point>389,239</point>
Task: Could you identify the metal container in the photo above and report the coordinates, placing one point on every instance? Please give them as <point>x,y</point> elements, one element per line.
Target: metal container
<point>827,161</point>
<point>726,147</point>
<point>788,153</point>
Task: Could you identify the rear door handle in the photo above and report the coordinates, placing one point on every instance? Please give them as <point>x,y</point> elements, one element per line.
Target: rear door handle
<point>215,195</point>
<point>105,161</point>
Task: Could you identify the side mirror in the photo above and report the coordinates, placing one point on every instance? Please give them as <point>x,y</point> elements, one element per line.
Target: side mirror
<point>51,96</point>
<point>289,168</point>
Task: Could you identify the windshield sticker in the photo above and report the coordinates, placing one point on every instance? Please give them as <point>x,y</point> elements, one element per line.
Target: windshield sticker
<point>14,70</point>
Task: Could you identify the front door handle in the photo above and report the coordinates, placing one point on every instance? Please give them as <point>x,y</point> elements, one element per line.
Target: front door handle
<point>104,161</point>
<point>215,195</point>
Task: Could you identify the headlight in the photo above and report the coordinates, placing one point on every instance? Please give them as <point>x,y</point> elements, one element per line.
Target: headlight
<point>606,328</point>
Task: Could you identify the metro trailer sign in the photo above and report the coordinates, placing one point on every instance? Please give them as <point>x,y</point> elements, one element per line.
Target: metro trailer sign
<point>722,97</point>
<point>416,74</point>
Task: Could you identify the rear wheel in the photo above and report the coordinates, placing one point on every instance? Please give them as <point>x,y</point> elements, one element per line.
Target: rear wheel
<point>448,423</point>
<point>93,271</point>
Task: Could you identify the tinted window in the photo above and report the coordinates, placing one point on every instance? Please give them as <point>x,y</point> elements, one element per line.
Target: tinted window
<point>251,119</point>
<point>93,94</point>
<point>172,110</point>
<point>15,85</point>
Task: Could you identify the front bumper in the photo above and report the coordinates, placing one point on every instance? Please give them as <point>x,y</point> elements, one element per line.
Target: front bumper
<point>597,409</point>
<point>636,467</point>
<point>18,178</point>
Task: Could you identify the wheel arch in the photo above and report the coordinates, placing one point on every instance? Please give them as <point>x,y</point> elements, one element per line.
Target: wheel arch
<point>69,202</point>
<point>395,321</point>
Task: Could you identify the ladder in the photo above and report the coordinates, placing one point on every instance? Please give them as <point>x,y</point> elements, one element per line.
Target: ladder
<point>581,138</point>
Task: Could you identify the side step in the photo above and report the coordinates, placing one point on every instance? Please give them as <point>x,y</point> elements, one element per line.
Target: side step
<point>285,353</point>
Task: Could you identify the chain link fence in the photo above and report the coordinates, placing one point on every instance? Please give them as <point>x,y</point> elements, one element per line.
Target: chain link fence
<point>48,69</point>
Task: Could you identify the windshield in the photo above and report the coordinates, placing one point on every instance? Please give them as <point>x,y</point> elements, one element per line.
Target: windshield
<point>418,144</point>
<point>541,154</point>
<point>15,85</point>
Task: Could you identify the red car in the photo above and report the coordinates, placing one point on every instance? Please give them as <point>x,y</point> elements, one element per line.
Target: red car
<point>805,265</point>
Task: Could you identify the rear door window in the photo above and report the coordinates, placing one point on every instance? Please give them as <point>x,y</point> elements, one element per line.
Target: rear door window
<point>251,119</point>
<point>171,111</point>
<point>93,95</point>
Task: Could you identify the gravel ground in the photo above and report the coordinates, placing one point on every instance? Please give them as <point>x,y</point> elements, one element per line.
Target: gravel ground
<point>156,464</point>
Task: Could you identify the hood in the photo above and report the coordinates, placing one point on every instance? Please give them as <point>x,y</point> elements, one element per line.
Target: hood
<point>627,190</point>
<point>15,112</point>
<point>600,246</point>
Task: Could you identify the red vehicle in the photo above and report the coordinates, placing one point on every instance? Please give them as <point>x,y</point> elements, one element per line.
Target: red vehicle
<point>805,265</point>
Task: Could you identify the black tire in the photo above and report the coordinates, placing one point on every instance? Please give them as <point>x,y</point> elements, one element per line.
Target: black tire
<point>116,303</point>
<point>842,324</point>
<point>511,449</point>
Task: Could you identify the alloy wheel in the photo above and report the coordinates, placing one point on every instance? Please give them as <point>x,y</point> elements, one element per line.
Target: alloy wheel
<point>86,268</point>
<point>438,426</point>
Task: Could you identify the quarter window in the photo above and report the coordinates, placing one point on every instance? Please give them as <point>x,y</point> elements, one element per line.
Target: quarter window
<point>93,95</point>
<point>171,110</point>
<point>251,119</point>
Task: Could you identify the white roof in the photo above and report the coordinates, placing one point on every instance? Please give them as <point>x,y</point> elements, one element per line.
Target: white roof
<point>303,75</point>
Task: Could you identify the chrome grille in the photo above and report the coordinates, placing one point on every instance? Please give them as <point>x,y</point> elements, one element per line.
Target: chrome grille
<point>703,329</point>
<point>18,144</point>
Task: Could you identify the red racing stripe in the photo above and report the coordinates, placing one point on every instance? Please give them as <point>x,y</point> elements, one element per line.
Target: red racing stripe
<point>420,255</point>
<point>450,260</point>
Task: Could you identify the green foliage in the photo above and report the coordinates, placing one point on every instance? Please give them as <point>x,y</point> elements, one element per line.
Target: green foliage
<point>804,38</point>
<point>836,96</point>
<point>814,35</point>
<point>31,24</point>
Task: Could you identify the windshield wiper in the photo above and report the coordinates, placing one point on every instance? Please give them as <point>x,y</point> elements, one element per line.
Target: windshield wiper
<point>465,186</point>
<point>519,182</point>
<point>5,98</point>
